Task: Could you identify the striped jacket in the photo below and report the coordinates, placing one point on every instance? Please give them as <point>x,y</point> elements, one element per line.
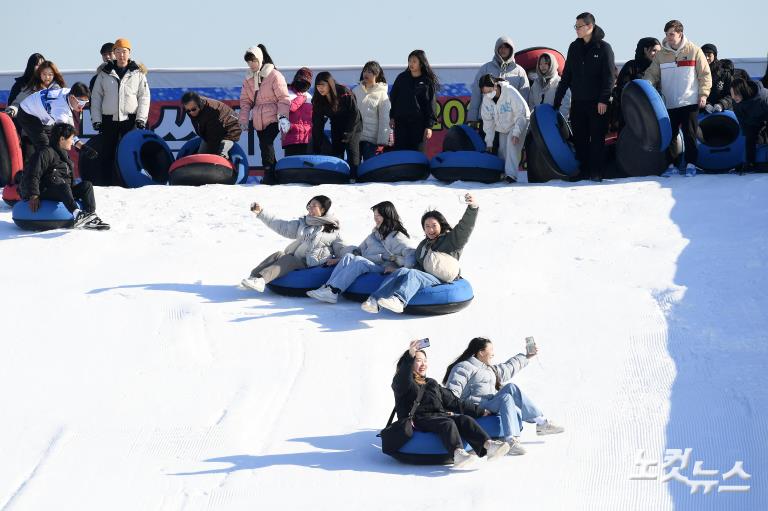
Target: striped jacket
<point>683,73</point>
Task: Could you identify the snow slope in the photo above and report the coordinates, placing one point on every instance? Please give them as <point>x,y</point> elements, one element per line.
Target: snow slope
<point>136,376</point>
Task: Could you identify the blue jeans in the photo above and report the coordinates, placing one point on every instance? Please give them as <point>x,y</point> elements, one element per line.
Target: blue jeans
<point>513,408</point>
<point>349,268</point>
<point>404,283</point>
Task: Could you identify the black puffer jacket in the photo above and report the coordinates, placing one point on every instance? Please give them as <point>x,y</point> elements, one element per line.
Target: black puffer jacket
<point>413,98</point>
<point>51,166</point>
<point>437,400</point>
<point>346,121</point>
<point>753,112</point>
<point>722,77</point>
<point>589,70</point>
<point>18,84</point>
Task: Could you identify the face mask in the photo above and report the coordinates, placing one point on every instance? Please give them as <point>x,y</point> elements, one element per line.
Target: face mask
<point>490,95</point>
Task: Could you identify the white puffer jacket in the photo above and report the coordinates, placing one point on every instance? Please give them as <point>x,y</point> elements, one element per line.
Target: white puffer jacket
<point>120,98</point>
<point>509,114</point>
<point>311,243</point>
<point>374,108</point>
<point>684,74</point>
<point>377,249</point>
<point>475,381</point>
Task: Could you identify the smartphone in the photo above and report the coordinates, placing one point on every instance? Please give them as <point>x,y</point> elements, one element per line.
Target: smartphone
<point>530,345</point>
<point>423,343</point>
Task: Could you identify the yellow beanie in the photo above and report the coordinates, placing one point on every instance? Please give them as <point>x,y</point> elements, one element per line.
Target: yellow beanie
<point>123,43</point>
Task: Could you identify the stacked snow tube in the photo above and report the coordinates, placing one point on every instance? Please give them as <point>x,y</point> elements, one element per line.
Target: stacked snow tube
<point>11,160</point>
<point>298,282</point>
<point>50,215</point>
<point>312,169</point>
<point>467,166</point>
<point>549,152</point>
<point>463,138</point>
<point>721,144</point>
<point>528,58</point>
<point>394,166</point>
<point>238,162</point>
<point>426,448</point>
<point>642,146</point>
<point>430,301</point>
<point>143,158</point>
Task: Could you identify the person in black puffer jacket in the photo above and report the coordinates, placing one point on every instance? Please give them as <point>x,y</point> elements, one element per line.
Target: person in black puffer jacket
<point>633,70</point>
<point>719,98</point>
<point>335,102</point>
<point>414,103</point>
<point>590,73</point>
<point>440,411</point>
<point>750,100</point>
<point>50,177</point>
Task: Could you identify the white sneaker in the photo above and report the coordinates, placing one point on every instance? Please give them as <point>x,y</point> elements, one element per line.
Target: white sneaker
<point>324,294</point>
<point>255,283</point>
<point>392,303</point>
<point>515,448</point>
<point>82,218</point>
<point>462,458</point>
<point>495,449</point>
<point>370,305</point>
<point>548,428</point>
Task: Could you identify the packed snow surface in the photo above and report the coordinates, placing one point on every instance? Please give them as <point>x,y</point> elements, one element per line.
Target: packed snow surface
<point>135,375</point>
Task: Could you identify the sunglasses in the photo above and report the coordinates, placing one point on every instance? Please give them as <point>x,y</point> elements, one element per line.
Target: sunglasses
<point>81,102</point>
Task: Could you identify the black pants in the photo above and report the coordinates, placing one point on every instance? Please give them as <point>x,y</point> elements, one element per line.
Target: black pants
<point>409,133</point>
<point>62,192</point>
<point>452,429</point>
<point>34,129</point>
<point>351,147</point>
<point>111,133</point>
<point>267,138</point>
<point>589,129</point>
<point>367,149</point>
<point>295,149</point>
<point>686,119</point>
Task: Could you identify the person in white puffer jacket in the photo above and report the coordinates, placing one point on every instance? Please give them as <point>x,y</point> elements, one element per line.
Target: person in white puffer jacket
<point>504,111</point>
<point>373,103</point>
<point>386,249</point>
<point>316,241</point>
<point>471,377</point>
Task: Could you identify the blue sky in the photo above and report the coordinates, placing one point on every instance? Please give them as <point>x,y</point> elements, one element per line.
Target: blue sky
<point>216,34</point>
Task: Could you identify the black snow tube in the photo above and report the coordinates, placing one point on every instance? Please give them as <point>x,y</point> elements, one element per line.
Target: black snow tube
<point>646,116</point>
<point>143,158</point>
<point>635,161</point>
<point>721,146</point>
<point>50,215</point>
<point>452,166</point>
<point>394,166</point>
<point>201,169</point>
<point>312,169</point>
<point>463,138</point>
<point>548,150</point>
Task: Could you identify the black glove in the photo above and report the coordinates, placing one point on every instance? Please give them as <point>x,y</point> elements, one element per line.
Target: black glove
<point>97,126</point>
<point>141,125</point>
<point>89,152</point>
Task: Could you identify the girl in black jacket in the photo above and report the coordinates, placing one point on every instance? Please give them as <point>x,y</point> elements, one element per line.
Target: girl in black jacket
<point>335,102</point>
<point>50,177</point>
<point>414,103</point>
<point>440,411</point>
<point>634,69</point>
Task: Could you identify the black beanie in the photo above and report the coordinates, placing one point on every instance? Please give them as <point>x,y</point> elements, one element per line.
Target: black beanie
<point>107,48</point>
<point>709,48</point>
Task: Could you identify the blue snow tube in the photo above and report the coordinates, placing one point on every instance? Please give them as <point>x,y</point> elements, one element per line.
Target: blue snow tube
<point>143,158</point>
<point>721,144</point>
<point>646,116</point>
<point>298,282</point>
<point>429,301</point>
<point>394,166</point>
<point>452,166</point>
<point>463,138</point>
<point>313,169</point>
<point>50,215</point>
<point>236,155</point>
<point>427,449</point>
<point>549,154</point>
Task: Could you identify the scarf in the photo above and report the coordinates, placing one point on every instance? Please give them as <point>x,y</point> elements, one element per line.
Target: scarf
<point>420,380</point>
<point>316,223</point>
<point>259,75</point>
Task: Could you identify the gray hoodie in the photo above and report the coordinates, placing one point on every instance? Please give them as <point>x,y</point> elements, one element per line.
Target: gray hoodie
<point>507,69</point>
<point>544,87</point>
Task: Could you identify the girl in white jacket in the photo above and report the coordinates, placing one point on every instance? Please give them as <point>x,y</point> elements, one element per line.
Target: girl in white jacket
<point>504,111</point>
<point>472,377</point>
<point>374,106</point>
<point>386,249</point>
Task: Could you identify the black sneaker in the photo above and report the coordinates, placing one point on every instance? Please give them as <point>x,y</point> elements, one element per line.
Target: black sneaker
<point>96,224</point>
<point>82,219</point>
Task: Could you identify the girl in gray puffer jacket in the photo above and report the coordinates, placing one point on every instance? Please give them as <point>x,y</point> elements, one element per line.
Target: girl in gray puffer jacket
<point>316,241</point>
<point>386,249</point>
<point>471,377</point>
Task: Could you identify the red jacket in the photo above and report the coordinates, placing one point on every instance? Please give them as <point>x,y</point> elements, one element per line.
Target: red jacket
<point>300,117</point>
